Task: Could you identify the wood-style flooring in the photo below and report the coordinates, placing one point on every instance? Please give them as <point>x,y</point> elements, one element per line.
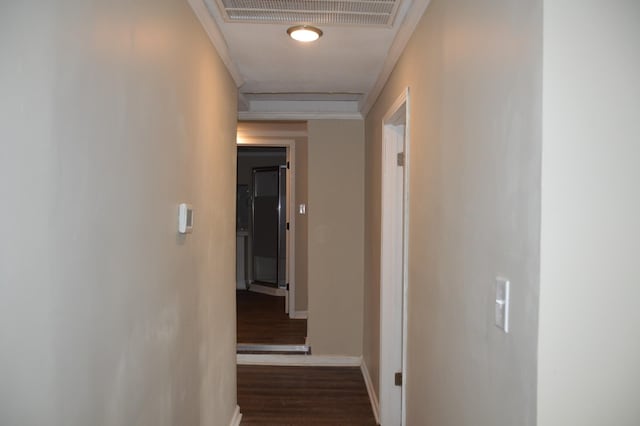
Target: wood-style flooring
<point>303,396</point>
<point>261,319</point>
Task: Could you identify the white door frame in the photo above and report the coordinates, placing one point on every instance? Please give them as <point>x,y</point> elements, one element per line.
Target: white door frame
<point>393,261</point>
<point>290,145</point>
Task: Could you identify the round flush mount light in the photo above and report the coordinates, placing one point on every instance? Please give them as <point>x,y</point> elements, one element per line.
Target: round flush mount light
<point>304,33</point>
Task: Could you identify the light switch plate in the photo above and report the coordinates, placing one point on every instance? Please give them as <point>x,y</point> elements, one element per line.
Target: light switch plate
<point>502,303</point>
<point>302,209</point>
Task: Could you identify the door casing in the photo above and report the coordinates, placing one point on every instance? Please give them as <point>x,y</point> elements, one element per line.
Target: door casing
<point>393,261</point>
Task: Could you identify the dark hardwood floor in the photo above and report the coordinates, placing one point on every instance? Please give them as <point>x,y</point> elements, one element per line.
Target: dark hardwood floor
<point>303,396</point>
<point>261,319</point>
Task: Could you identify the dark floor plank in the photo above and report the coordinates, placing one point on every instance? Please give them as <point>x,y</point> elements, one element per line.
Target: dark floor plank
<point>261,319</point>
<point>303,396</point>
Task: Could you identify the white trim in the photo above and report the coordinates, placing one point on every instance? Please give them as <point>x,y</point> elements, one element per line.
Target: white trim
<point>298,116</point>
<point>393,264</point>
<point>237,417</point>
<point>304,106</point>
<point>290,144</point>
<point>299,109</point>
<point>300,315</point>
<point>299,360</point>
<point>394,109</point>
<point>373,398</point>
<point>287,308</point>
<point>405,250</point>
<point>271,291</point>
<point>217,38</point>
<point>411,20</point>
<point>269,349</point>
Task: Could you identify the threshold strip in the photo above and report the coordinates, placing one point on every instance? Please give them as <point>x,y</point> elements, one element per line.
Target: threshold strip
<point>255,347</point>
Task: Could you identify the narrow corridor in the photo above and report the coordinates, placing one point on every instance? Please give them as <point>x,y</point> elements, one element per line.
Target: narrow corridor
<point>261,319</point>
<point>303,396</point>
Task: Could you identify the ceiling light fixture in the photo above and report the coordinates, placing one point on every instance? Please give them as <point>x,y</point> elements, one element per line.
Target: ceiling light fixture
<point>304,33</point>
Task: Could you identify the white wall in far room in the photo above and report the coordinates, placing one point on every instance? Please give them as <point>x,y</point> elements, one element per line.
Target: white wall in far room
<point>589,337</point>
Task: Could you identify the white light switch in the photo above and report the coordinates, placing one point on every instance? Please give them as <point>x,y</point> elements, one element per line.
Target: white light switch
<point>302,209</point>
<point>502,303</point>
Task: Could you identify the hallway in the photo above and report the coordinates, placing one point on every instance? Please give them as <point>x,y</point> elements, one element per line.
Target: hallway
<point>299,396</point>
<point>515,129</point>
<point>261,319</point>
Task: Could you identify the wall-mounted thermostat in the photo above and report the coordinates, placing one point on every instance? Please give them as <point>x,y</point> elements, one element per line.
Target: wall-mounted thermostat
<point>502,303</point>
<point>185,218</point>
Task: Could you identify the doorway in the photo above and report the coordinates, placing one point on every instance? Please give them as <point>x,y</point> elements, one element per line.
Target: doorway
<point>393,262</point>
<point>265,249</point>
<point>261,219</point>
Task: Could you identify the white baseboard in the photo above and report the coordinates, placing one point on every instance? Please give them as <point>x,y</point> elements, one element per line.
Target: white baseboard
<point>271,291</point>
<point>300,315</point>
<point>299,360</point>
<point>371,391</point>
<point>237,416</point>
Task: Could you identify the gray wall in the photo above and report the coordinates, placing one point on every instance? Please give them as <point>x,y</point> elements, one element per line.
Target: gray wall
<point>473,70</point>
<point>111,114</point>
<point>336,236</point>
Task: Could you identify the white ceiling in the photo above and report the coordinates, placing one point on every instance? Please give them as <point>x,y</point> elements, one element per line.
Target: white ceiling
<point>279,78</point>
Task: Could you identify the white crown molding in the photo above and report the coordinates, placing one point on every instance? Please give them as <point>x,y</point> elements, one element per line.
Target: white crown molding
<point>237,416</point>
<point>373,398</point>
<point>305,106</point>
<point>408,26</point>
<point>294,116</point>
<point>299,360</point>
<point>300,110</point>
<point>217,38</point>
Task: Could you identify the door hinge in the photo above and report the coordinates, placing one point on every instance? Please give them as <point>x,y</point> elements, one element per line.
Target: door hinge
<point>288,165</point>
<point>398,379</point>
<point>401,159</point>
<point>287,286</point>
<point>287,226</point>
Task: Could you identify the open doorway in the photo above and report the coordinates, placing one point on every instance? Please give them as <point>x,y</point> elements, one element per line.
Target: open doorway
<point>266,312</point>
<point>261,219</point>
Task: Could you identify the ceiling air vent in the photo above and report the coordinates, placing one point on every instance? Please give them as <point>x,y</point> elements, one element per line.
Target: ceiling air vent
<point>319,12</point>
